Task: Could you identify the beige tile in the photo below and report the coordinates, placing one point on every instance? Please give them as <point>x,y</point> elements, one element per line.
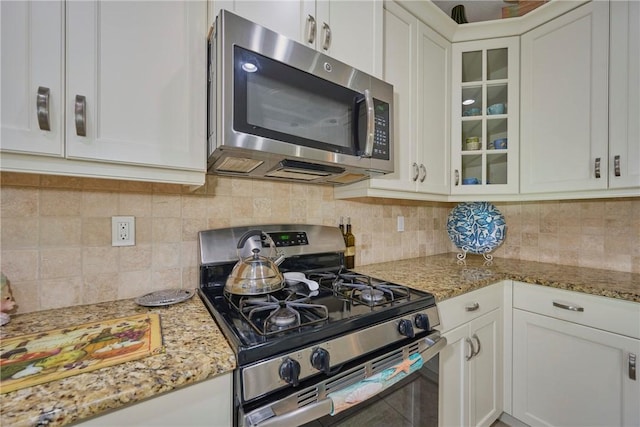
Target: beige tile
<point>19,179</point>
<point>26,295</point>
<point>190,278</point>
<point>166,230</point>
<point>97,260</point>
<point>19,202</point>
<point>60,263</point>
<point>191,227</point>
<point>96,232</point>
<point>219,207</point>
<point>241,187</point>
<point>261,208</point>
<point>99,288</point>
<point>132,284</point>
<point>134,258</point>
<point>54,181</point>
<point>189,254</point>
<point>54,202</point>
<point>60,231</point>
<point>165,255</point>
<point>101,184</point>
<point>58,293</point>
<point>97,204</point>
<point>194,207</point>
<point>144,230</point>
<point>136,187</point>
<point>167,188</point>
<point>166,278</point>
<point>20,265</point>
<point>241,208</point>
<point>19,233</point>
<point>166,206</point>
<point>134,204</point>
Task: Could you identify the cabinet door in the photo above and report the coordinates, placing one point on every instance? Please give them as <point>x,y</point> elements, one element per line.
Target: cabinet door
<point>485,117</point>
<point>351,31</point>
<point>32,36</point>
<point>433,88</point>
<point>454,378</point>
<point>564,102</point>
<point>624,95</point>
<point>486,373</point>
<point>290,18</point>
<point>568,374</point>
<point>136,82</point>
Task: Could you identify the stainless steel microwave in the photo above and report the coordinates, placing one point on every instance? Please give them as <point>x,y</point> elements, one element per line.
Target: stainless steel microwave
<point>281,110</point>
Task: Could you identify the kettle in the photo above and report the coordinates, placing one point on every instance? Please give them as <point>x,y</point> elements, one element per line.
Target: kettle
<point>255,274</point>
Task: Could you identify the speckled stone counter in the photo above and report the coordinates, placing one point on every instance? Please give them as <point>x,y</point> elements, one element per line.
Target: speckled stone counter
<point>444,277</point>
<point>195,350</point>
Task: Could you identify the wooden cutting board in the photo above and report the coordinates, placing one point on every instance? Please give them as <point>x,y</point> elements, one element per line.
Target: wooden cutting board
<point>33,359</point>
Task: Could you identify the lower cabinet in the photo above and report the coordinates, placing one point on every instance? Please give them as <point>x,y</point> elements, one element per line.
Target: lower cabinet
<point>567,372</point>
<point>204,403</point>
<point>471,366</point>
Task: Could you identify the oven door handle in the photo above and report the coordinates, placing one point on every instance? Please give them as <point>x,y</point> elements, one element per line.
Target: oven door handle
<point>435,346</point>
<point>306,414</point>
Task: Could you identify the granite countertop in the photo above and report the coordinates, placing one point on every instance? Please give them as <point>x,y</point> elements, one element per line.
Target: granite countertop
<point>444,277</point>
<point>197,350</point>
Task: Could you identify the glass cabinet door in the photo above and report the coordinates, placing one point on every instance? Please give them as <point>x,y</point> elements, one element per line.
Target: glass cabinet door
<point>485,117</point>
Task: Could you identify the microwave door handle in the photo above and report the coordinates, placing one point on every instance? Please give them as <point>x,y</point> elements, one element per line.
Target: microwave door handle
<point>371,124</point>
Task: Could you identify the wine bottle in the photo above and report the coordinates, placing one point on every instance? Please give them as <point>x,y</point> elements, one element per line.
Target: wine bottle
<point>350,241</point>
<point>341,226</point>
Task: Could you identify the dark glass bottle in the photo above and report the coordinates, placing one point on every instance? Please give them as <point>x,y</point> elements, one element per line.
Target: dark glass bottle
<point>350,242</point>
<point>341,226</point>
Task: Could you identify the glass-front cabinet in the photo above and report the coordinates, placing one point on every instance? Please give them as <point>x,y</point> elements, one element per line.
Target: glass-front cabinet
<point>484,134</point>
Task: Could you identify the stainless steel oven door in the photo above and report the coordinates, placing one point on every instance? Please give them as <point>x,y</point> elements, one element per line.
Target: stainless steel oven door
<point>412,401</point>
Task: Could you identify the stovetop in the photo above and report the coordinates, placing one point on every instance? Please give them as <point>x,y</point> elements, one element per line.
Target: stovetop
<point>261,327</point>
<point>345,312</point>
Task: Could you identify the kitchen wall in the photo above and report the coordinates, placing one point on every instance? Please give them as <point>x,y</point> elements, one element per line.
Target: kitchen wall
<point>56,231</point>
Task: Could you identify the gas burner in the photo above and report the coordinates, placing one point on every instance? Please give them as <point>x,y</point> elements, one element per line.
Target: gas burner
<point>372,295</point>
<point>269,315</point>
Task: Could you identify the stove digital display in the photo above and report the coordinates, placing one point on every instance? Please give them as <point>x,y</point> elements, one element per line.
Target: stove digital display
<point>295,238</point>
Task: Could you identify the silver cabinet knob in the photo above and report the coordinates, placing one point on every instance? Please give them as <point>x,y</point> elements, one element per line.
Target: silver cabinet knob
<point>423,173</point>
<point>326,40</point>
<point>42,108</point>
<point>80,112</point>
<point>311,29</point>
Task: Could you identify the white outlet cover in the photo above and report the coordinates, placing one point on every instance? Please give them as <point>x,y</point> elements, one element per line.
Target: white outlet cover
<point>116,238</point>
<point>400,223</point>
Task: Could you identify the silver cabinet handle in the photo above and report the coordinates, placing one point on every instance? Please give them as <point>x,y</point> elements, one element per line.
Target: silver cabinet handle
<point>311,29</point>
<point>597,167</point>
<point>81,115</point>
<point>42,108</point>
<point>472,307</point>
<point>326,30</point>
<point>457,177</point>
<point>473,351</point>
<point>415,171</point>
<point>475,337</point>
<point>567,306</point>
<point>616,165</point>
<point>423,173</point>
<point>632,366</point>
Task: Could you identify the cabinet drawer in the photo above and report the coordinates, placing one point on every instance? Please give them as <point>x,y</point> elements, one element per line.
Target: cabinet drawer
<point>608,314</point>
<point>464,308</point>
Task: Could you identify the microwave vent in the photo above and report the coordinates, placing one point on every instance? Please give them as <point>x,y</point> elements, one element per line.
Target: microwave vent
<point>238,164</point>
<point>294,169</point>
<point>347,178</point>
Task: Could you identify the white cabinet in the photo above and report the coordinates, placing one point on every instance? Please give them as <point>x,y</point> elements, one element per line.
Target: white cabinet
<point>132,101</point>
<point>485,112</point>
<point>207,403</point>
<point>417,64</point>
<point>624,95</point>
<point>471,366</point>
<point>350,31</point>
<point>574,357</point>
<point>32,60</point>
<point>564,102</point>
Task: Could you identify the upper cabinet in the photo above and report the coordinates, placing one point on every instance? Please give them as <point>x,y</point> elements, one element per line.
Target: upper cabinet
<point>417,63</point>
<point>132,103</point>
<point>624,95</point>
<point>564,102</point>
<point>349,31</point>
<point>484,136</point>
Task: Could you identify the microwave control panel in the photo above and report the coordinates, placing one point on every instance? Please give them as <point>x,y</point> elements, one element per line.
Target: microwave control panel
<point>381,145</point>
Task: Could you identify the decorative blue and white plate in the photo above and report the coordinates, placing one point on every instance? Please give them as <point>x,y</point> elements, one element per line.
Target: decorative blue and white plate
<point>476,227</point>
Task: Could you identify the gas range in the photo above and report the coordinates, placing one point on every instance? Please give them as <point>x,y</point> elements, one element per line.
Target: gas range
<point>296,336</point>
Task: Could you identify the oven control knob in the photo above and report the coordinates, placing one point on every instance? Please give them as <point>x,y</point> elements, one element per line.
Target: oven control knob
<point>290,371</point>
<point>406,328</point>
<point>320,360</point>
<point>422,321</point>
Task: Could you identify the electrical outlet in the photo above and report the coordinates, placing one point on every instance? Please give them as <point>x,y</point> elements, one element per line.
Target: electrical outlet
<point>400,223</point>
<point>123,231</point>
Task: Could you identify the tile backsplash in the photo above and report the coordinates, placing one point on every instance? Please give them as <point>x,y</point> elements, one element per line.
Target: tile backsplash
<point>56,231</point>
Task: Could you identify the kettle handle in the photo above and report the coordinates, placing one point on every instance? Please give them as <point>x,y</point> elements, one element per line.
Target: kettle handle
<point>246,237</point>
